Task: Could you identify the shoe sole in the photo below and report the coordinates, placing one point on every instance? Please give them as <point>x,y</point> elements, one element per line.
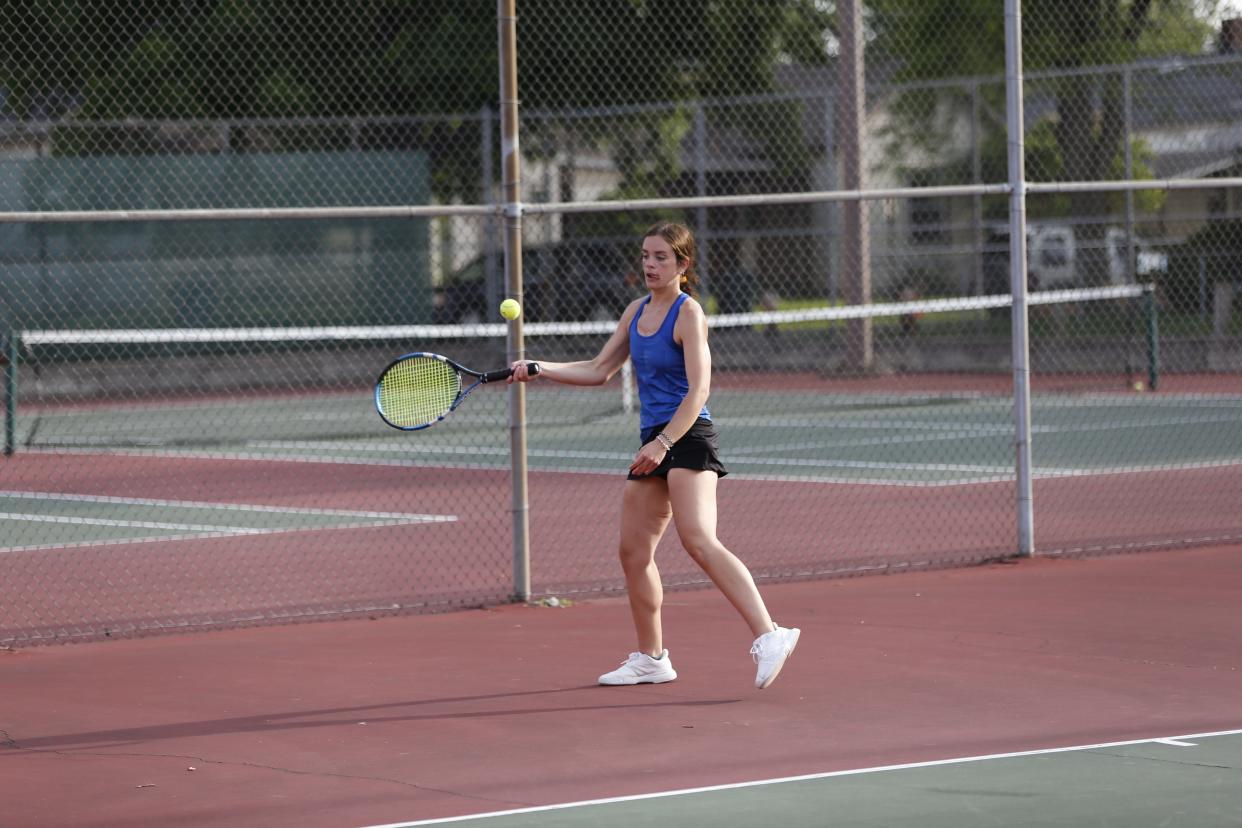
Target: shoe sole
<point>796,635</point>
<point>661,680</point>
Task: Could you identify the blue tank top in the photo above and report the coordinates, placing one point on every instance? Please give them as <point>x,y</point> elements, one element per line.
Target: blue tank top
<point>660,369</point>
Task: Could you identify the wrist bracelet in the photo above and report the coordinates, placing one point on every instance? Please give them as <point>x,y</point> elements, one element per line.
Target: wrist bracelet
<point>664,440</point>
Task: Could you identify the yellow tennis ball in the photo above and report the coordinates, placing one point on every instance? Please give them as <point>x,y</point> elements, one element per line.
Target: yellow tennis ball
<point>510,309</point>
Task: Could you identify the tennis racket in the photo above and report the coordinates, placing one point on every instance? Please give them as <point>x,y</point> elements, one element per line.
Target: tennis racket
<point>420,389</point>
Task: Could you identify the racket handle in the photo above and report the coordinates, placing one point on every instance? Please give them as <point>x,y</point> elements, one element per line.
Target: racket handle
<point>504,373</point>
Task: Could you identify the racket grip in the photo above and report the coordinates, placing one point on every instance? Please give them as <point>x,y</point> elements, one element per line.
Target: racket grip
<point>505,373</point>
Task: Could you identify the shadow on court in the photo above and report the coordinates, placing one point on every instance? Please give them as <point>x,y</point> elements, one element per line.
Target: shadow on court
<point>402,720</point>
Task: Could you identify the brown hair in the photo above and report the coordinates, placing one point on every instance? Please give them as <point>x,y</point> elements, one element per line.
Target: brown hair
<point>681,240</point>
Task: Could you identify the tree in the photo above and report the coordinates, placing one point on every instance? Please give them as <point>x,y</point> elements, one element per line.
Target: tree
<point>233,59</point>
<point>1082,138</point>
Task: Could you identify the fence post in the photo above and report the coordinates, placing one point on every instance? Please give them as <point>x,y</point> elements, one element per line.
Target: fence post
<point>1153,337</point>
<point>10,392</point>
<point>855,248</point>
<point>1222,308</point>
<point>1017,277</point>
<point>512,170</point>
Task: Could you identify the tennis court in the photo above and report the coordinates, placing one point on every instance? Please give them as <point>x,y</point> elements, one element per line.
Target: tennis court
<point>972,285</point>
<point>887,438</point>
<point>877,439</point>
<point>1096,691</point>
<point>306,506</point>
<point>1185,780</point>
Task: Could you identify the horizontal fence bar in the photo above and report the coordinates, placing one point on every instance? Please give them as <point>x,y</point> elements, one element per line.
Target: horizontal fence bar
<point>429,211</point>
<point>105,336</point>
<point>812,197</point>
<point>246,214</point>
<point>1132,186</point>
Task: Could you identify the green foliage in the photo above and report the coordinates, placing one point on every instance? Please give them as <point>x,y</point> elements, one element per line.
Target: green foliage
<point>1213,253</point>
<point>233,59</point>
<point>1082,139</point>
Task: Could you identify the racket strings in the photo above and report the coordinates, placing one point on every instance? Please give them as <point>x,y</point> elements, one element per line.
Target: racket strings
<point>418,391</point>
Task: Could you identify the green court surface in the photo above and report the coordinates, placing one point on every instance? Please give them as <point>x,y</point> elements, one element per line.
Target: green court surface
<point>61,519</point>
<point>1188,781</point>
<point>910,440</point>
<point>920,439</point>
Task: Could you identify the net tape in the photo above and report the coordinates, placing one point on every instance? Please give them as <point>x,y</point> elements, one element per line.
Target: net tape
<point>735,320</point>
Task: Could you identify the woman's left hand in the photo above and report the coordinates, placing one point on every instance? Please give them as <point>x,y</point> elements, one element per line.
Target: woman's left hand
<point>649,458</point>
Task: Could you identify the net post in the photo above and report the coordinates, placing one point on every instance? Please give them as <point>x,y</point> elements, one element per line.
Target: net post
<point>1153,336</point>
<point>10,392</point>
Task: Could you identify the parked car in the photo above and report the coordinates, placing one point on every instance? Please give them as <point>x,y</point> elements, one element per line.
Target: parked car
<point>1054,258</point>
<point>572,280</point>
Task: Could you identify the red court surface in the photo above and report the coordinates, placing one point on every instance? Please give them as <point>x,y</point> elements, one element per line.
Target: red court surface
<point>363,722</point>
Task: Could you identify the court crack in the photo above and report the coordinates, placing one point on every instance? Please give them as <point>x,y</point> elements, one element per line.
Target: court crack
<point>1167,761</point>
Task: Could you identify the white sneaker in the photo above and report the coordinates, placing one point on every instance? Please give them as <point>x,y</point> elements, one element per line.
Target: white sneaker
<point>641,668</point>
<point>770,651</point>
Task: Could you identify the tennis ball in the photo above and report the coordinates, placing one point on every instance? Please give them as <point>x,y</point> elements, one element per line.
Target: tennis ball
<point>510,309</point>
<point>1138,386</point>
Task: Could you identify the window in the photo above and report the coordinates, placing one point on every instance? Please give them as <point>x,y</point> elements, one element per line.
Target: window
<point>928,220</point>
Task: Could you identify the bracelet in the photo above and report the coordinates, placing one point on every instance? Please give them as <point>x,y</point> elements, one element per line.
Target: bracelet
<point>664,440</point>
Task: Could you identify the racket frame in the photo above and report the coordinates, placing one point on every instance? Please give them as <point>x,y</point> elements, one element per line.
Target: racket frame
<point>480,378</point>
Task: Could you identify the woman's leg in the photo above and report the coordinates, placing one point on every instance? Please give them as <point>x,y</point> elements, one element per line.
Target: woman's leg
<point>645,514</point>
<point>693,497</point>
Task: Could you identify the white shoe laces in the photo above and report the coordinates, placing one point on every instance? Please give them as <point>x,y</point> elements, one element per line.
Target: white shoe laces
<point>757,650</point>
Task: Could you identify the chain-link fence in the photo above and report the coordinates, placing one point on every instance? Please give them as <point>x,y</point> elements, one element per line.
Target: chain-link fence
<point>221,220</point>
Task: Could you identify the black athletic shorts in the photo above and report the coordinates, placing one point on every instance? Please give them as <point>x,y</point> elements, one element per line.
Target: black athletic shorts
<point>697,449</point>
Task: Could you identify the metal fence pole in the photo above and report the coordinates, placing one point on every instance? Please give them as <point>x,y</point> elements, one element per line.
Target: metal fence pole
<point>856,242</point>
<point>1017,275</point>
<point>10,393</point>
<point>1127,86</point>
<point>703,265</point>
<point>512,171</point>
<point>1150,316</point>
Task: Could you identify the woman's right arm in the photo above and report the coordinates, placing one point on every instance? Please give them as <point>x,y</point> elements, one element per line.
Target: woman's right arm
<point>596,371</point>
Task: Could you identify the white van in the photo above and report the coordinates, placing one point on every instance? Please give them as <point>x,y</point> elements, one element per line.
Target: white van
<point>1053,253</point>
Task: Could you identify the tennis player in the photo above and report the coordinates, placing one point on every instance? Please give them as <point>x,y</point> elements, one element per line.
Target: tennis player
<point>674,474</point>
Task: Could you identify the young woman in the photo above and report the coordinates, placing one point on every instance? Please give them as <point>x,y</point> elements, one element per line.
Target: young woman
<point>673,475</point>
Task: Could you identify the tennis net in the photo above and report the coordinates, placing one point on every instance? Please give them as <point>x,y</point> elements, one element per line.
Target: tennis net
<point>256,388</point>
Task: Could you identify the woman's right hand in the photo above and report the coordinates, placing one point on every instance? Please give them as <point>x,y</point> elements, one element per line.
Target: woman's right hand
<point>648,459</point>
<point>521,371</point>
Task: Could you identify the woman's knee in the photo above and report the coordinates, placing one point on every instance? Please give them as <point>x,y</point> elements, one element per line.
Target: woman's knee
<point>635,555</point>
<point>702,547</point>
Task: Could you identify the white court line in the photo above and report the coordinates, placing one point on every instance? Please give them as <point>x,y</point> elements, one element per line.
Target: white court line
<point>218,532</point>
<point>438,451</point>
<point>808,777</point>
<point>822,420</point>
<point>131,524</point>
<point>981,474</point>
<point>978,473</point>
<point>943,433</point>
<point>95,544</point>
<point>197,531</point>
<point>215,505</point>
